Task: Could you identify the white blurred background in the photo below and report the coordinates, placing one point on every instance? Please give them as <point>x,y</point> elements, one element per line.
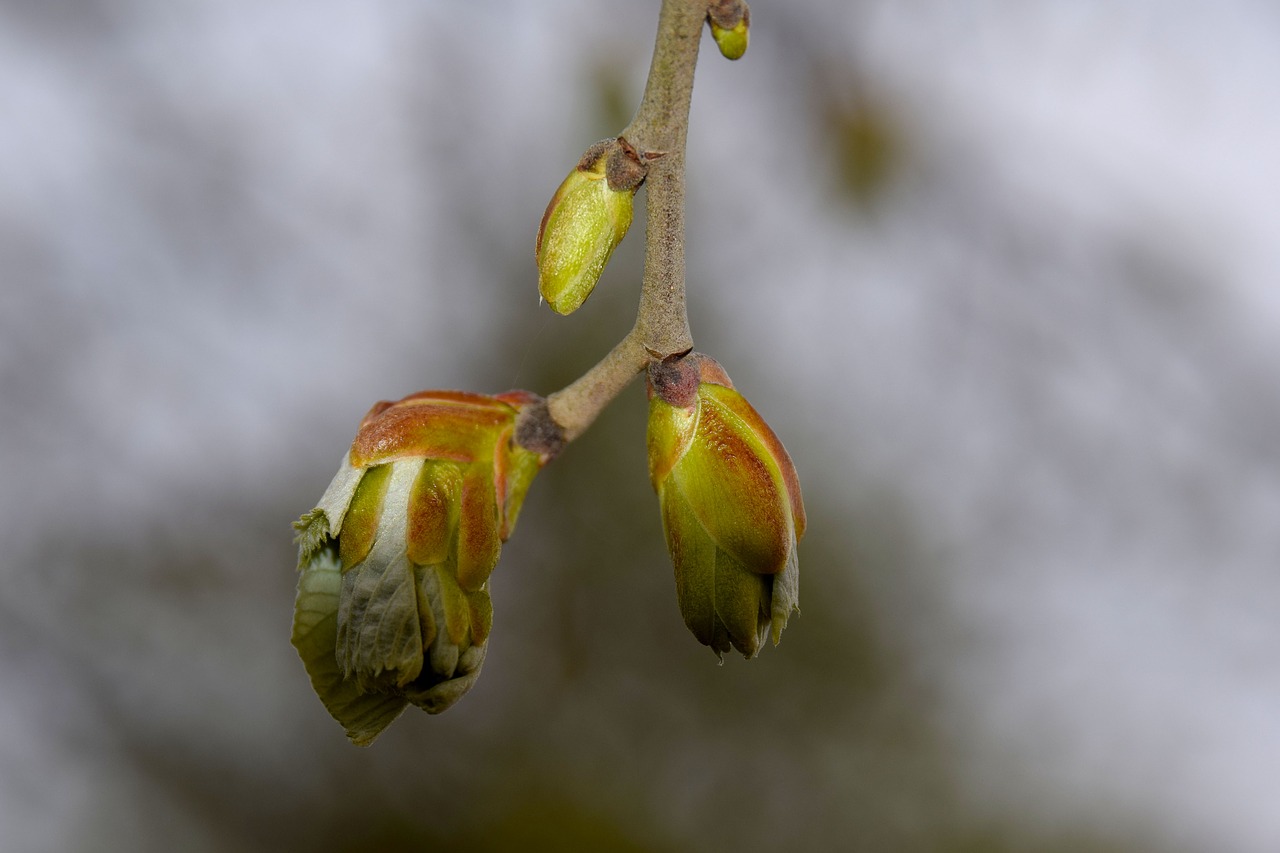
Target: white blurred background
<point>1001,274</point>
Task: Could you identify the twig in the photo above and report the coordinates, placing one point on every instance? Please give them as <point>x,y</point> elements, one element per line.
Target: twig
<point>658,133</point>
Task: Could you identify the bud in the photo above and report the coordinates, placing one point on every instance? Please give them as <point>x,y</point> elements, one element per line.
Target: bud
<point>393,601</point>
<point>730,21</point>
<point>585,221</point>
<point>731,506</point>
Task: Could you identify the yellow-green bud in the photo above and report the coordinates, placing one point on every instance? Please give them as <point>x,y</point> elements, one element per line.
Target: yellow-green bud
<point>731,506</point>
<point>585,221</point>
<point>730,21</point>
<point>393,601</point>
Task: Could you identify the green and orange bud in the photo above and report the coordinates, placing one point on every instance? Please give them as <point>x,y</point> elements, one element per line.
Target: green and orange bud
<point>731,506</point>
<point>393,601</point>
<point>730,21</point>
<point>585,221</point>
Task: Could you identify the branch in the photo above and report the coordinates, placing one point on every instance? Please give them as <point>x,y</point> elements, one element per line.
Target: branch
<point>660,128</point>
<point>658,132</point>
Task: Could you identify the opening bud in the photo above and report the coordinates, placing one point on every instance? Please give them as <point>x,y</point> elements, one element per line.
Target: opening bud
<point>393,601</point>
<point>585,221</point>
<point>731,506</point>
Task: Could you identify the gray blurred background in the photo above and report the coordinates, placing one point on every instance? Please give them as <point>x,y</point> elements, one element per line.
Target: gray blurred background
<point>1001,274</point>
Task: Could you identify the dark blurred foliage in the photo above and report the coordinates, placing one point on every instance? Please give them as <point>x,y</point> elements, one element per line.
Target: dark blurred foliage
<point>862,133</point>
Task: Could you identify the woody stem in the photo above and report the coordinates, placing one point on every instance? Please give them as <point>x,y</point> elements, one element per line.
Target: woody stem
<point>658,133</point>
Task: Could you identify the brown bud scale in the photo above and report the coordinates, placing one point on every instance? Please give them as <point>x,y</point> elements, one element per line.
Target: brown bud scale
<point>623,169</point>
<point>675,380</point>
<point>727,14</point>
<point>537,431</point>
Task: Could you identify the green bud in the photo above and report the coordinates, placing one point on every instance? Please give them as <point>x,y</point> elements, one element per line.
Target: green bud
<point>585,221</point>
<point>393,602</point>
<point>730,21</point>
<point>731,506</point>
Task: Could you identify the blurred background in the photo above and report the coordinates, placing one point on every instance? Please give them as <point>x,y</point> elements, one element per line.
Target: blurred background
<point>1001,274</point>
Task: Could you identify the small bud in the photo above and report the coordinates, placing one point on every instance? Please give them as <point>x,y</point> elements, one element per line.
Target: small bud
<point>730,21</point>
<point>585,221</point>
<point>393,601</point>
<point>731,506</point>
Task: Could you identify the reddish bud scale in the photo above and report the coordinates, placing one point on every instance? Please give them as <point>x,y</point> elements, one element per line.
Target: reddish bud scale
<point>772,445</point>
<point>436,429</point>
<point>735,490</point>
